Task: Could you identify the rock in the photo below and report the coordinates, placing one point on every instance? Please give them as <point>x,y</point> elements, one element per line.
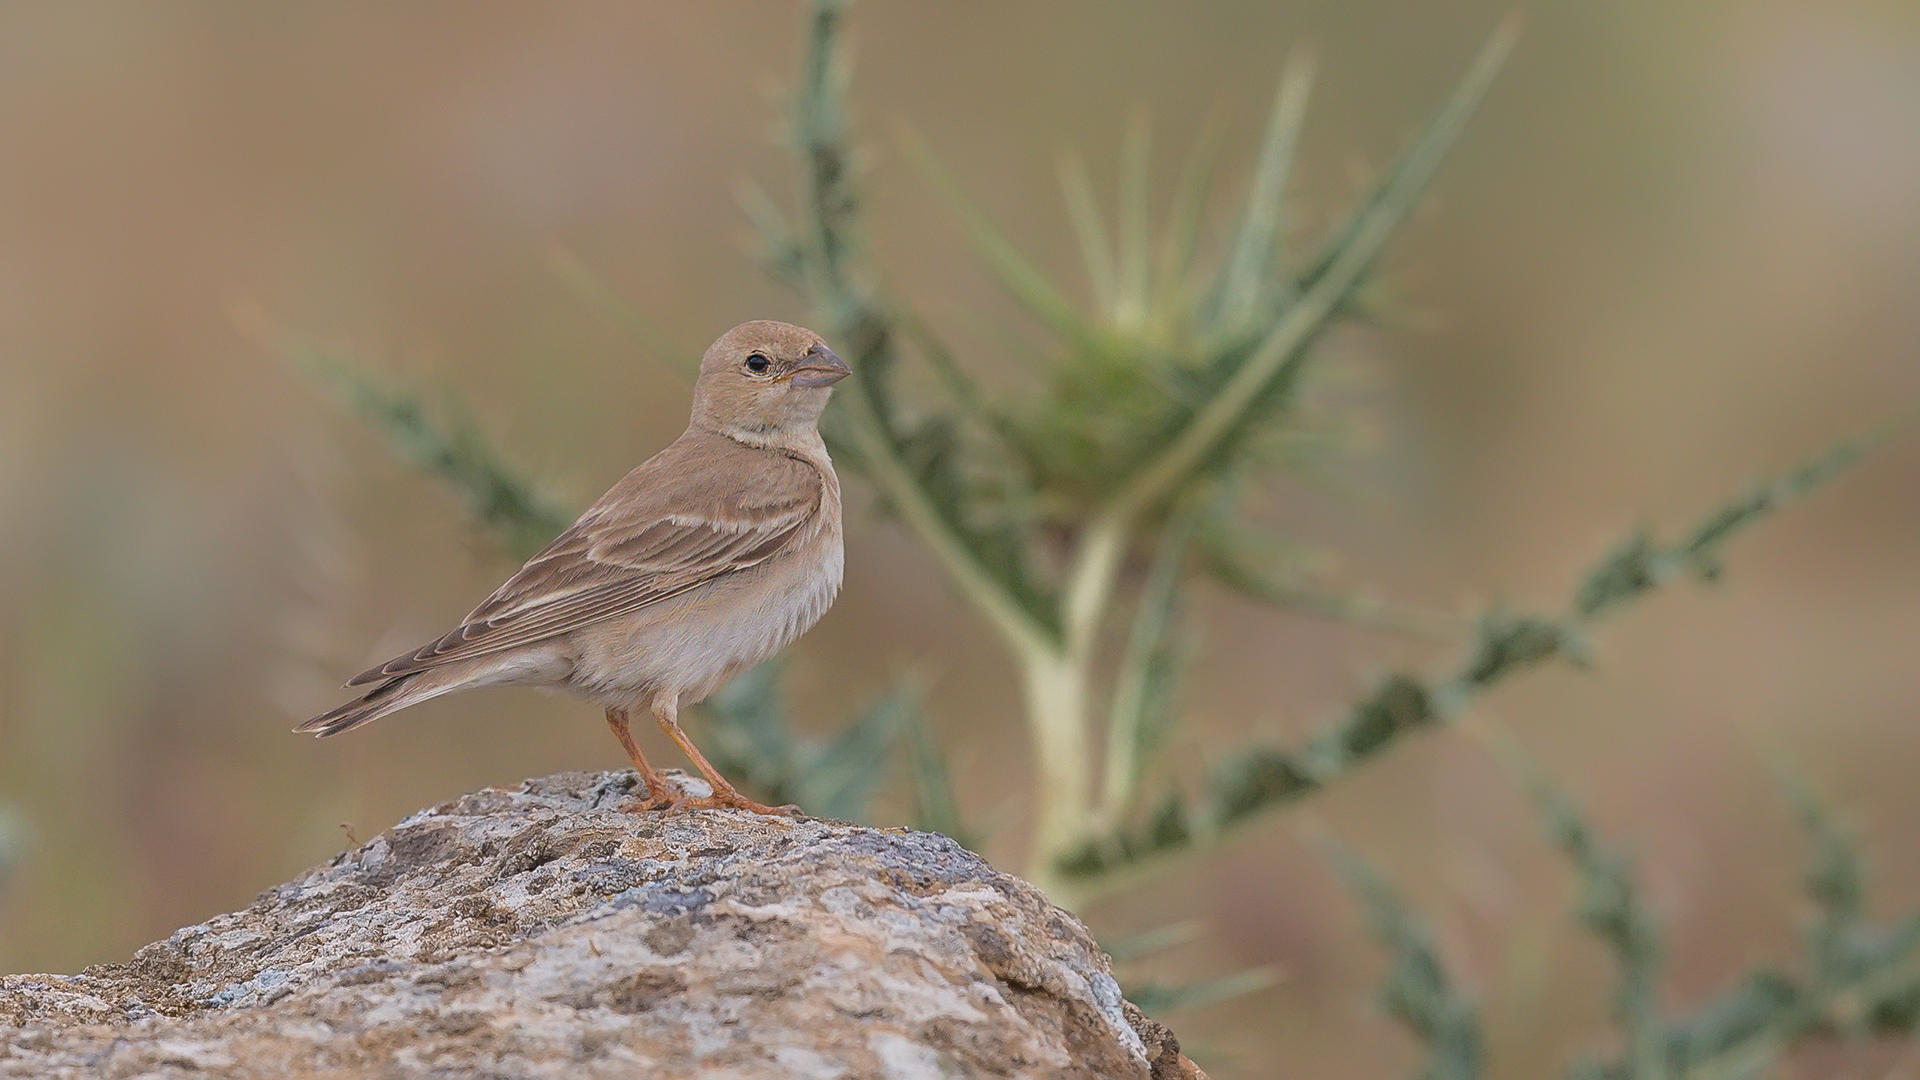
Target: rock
<point>543,933</point>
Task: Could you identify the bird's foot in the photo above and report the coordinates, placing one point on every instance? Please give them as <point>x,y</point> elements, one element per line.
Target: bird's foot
<point>664,790</point>
<point>734,801</point>
<point>642,804</point>
<point>672,790</point>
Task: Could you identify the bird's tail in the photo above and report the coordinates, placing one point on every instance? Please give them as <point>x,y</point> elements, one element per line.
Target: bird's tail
<point>371,706</point>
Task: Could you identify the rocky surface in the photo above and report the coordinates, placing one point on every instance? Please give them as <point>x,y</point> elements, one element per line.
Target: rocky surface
<point>543,933</point>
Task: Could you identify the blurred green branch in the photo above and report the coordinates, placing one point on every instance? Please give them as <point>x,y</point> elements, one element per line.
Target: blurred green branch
<point>1417,992</point>
<point>1614,912</point>
<point>1259,778</point>
<point>444,443</point>
<point>1156,656</point>
<point>1857,979</point>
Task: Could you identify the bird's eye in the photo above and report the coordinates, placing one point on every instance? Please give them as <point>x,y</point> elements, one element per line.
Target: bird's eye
<point>757,363</point>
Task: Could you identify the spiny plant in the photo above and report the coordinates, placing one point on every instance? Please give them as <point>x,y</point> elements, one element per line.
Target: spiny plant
<point>1162,401</point>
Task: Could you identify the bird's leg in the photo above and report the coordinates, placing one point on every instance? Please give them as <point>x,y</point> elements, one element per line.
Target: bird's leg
<point>656,797</point>
<point>724,795</point>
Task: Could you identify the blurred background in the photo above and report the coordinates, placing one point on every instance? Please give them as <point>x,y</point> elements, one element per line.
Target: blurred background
<point>1679,246</point>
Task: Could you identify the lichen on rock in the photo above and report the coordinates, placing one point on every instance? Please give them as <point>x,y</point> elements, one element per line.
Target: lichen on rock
<point>544,933</point>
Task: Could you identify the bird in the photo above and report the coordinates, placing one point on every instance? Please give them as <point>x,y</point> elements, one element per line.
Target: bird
<point>705,560</point>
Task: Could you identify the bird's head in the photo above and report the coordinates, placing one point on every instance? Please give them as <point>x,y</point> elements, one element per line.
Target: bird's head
<point>763,381</point>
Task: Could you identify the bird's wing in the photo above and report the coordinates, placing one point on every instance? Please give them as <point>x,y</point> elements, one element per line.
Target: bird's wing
<point>661,531</point>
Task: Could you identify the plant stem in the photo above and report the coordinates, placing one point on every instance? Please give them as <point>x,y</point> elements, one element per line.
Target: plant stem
<point>882,466</point>
<point>1090,584</point>
<point>1056,689</point>
<point>1128,706</point>
<point>1059,702</point>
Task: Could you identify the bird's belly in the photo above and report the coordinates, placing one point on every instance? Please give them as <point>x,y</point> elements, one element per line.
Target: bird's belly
<point>693,643</point>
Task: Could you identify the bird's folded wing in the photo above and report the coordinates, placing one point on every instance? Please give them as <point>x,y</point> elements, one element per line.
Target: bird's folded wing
<point>615,561</point>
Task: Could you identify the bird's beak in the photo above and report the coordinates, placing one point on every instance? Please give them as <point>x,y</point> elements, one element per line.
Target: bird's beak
<point>821,369</point>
